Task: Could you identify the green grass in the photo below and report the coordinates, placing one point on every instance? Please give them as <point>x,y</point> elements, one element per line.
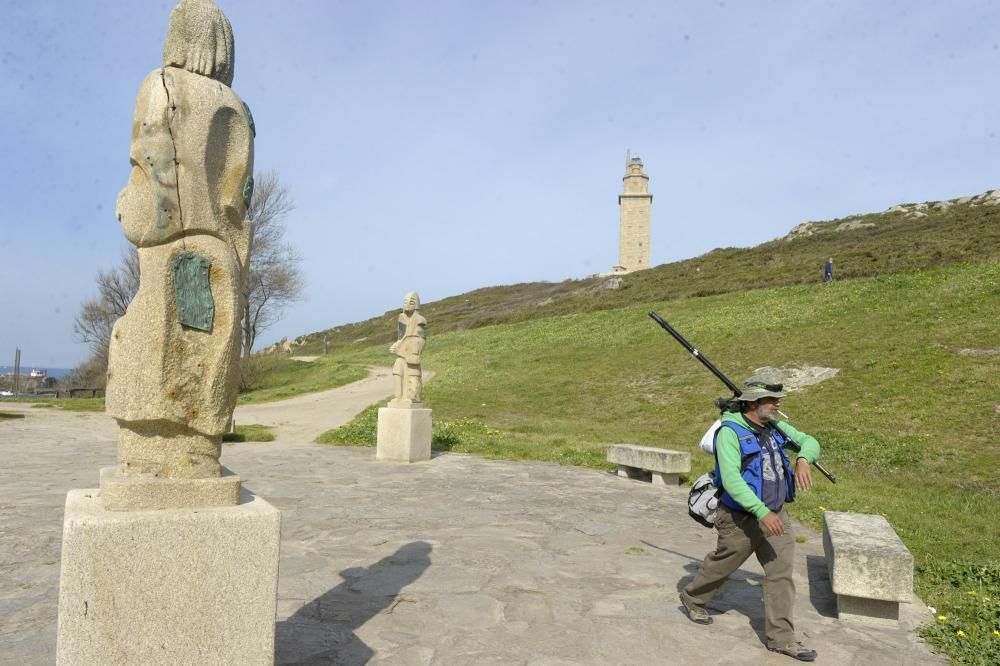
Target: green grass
<point>253,432</point>
<point>909,424</point>
<point>10,415</point>
<point>279,377</point>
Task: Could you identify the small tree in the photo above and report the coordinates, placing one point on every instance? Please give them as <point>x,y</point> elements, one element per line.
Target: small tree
<point>274,279</point>
<point>97,317</point>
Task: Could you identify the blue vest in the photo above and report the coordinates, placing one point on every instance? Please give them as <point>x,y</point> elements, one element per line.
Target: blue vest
<point>751,467</point>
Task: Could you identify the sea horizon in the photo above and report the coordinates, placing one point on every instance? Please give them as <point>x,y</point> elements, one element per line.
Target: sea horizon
<point>57,373</point>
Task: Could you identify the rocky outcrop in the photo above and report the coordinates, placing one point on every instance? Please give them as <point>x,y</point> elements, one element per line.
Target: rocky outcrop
<point>907,210</point>
<point>915,210</point>
<point>796,378</point>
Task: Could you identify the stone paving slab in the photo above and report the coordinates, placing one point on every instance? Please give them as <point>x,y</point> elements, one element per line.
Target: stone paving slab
<point>457,560</point>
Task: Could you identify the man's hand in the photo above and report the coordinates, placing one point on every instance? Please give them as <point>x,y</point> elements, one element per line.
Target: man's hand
<point>803,474</point>
<point>774,524</point>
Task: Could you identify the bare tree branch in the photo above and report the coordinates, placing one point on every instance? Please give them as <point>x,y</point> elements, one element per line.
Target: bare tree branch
<point>275,279</point>
<point>97,316</point>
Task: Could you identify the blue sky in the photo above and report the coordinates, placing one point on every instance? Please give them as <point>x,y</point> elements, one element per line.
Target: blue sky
<point>446,146</point>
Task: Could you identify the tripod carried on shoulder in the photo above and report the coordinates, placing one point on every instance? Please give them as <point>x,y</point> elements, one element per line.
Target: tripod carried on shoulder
<point>729,384</point>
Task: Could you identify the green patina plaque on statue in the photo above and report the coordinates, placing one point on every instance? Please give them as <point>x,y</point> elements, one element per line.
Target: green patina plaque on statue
<point>247,191</point>
<point>195,307</point>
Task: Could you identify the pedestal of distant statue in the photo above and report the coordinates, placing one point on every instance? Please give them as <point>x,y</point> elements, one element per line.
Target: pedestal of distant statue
<point>404,427</point>
<point>171,561</point>
<point>404,434</point>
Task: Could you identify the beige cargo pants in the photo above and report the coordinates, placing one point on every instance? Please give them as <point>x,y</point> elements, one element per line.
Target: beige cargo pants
<point>740,534</point>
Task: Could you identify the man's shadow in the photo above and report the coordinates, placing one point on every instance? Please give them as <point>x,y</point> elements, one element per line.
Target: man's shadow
<point>322,631</point>
<point>742,593</point>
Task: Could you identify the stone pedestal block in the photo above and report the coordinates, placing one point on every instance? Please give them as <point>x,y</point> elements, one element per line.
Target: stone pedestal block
<point>178,586</point>
<point>143,493</point>
<point>404,435</point>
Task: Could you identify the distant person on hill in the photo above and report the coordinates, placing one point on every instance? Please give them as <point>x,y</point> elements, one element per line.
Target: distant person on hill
<point>828,270</point>
<point>757,479</point>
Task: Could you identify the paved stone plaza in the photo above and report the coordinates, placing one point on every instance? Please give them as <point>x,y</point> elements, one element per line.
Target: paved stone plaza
<point>457,560</point>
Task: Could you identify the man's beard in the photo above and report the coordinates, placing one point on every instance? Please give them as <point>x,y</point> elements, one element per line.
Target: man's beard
<point>765,415</point>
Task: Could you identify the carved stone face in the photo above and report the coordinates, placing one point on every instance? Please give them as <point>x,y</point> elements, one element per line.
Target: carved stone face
<point>411,302</point>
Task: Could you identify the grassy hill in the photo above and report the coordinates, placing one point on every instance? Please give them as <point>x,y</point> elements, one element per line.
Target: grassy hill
<point>912,236</point>
<point>909,423</point>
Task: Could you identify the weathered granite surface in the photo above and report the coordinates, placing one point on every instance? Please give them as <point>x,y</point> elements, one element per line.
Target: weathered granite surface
<point>403,435</point>
<point>173,366</point>
<point>120,492</point>
<point>411,335</point>
<point>866,558</point>
<point>871,570</point>
<point>650,458</point>
<point>182,586</point>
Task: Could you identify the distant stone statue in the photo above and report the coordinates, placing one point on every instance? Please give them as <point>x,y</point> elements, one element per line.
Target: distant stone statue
<point>173,365</point>
<point>411,336</point>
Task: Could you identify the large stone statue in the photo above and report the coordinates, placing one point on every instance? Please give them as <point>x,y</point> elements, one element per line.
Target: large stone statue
<point>155,565</point>
<point>411,336</point>
<point>174,358</point>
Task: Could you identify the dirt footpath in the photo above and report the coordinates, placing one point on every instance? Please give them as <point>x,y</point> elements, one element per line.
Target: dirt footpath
<point>303,418</point>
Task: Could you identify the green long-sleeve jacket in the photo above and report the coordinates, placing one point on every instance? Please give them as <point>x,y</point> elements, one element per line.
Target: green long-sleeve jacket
<point>727,448</point>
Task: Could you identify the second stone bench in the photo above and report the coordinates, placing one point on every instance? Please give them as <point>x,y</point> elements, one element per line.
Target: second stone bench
<point>639,462</point>
<point>870,569</point>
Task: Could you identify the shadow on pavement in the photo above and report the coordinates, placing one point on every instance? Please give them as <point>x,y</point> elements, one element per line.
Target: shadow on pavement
<point>821,594</point>
<point>696,560</point>
<point>322,631</point>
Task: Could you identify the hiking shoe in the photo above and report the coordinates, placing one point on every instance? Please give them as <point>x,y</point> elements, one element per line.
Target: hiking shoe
<point>696,614</point>
<point>796,651</point>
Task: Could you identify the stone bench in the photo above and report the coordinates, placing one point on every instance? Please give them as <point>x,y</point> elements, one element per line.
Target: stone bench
<point>870,569</point>
<point>638,462</point>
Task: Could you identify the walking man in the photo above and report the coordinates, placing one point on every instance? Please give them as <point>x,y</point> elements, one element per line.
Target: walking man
<point>757,479</point>
<point>828,270</point>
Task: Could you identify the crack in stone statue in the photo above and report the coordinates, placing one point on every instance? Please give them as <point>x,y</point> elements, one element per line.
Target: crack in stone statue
<point>411,335</point>
<point>174,358</point>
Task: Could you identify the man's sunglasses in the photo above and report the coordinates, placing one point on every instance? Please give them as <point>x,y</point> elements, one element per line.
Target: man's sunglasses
<point>773,388</point>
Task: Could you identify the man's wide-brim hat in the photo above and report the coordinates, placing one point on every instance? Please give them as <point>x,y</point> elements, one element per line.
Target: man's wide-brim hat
<point>758,387</point>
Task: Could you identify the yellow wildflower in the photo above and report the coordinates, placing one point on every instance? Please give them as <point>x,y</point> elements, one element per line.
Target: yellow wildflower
<point>971,593</point>
<point>996,632</point>
<point>942,618</point>
<point>959,633</point>
<point>822,508</point>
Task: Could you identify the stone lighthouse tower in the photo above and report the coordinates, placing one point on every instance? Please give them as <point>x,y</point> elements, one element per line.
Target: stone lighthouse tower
<point>634,202</point>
